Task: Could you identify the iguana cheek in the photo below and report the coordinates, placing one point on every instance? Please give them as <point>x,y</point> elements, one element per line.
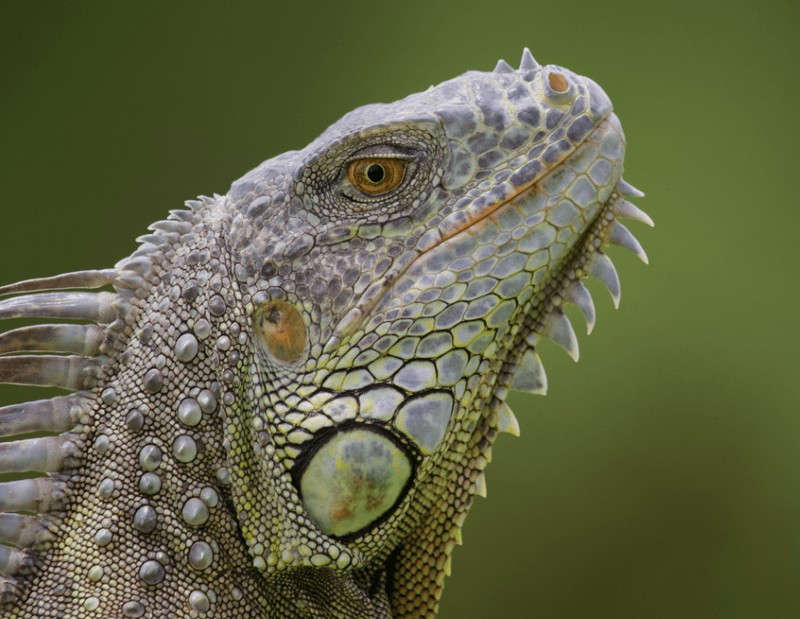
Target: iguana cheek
<point>353,480</point>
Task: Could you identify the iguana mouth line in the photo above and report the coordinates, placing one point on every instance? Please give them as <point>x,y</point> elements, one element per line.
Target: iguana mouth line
<point>530,186</point>
<point>372,297</point>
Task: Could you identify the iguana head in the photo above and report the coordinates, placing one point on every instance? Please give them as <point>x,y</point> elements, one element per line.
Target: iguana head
<point>295,386</point>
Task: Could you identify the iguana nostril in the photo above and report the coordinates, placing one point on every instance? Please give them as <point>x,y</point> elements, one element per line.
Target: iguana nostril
<point>280,327</point>
<point>558,83</point>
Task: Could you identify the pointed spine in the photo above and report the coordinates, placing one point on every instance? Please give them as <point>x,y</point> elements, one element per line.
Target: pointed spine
<point>138,264</point>
<point>147,250</point>
<point>49,454</point>
<point>528,62</point>
<point>626,189</point>
<point>619,235</point>
<point>480,485</point>
<point>202,202</point>
<point>70,372</point>
<point>579,295</point>
<point>601,267</point>
<point>506,420</point>
<point>623,208</point>
<point>22,531</point>
<point>503,67</point>
<point>558,329</point>
<point>529,375</point>
<point>448,566</point>
<point>153,239</point>
<point>41,494</point>
<point>171,227</point>
<point>11,560</point>
<point>76,279</point>
<point>93,306</point>
<point>51,415</point>
<point>180,214</point>
<point>66,338</point>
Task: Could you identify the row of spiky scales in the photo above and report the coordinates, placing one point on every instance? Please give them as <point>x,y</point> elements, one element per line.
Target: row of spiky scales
<point>74,356</point>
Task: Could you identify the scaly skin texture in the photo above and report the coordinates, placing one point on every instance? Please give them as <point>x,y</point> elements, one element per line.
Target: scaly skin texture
<point>286,400</point>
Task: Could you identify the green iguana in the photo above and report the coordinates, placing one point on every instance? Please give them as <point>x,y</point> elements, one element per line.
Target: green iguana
<point>284,400</point>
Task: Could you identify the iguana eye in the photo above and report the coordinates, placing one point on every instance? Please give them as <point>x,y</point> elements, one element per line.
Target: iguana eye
<point>375,176</point>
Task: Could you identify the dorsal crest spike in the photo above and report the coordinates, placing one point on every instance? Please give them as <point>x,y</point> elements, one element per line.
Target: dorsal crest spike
<point>503,67</point>
<point>67,338</point>
<point>47,454</point>
<point>51,415</point>
<point>76,279</point>
<point>528,62</point>
<point>71,372</point>
<point>40,494</point>
<point>20,530</point>
<point>12,560</point>
<point>94,306</point>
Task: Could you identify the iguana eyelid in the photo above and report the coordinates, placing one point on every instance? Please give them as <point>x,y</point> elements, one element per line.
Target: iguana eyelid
<point>381,152</point>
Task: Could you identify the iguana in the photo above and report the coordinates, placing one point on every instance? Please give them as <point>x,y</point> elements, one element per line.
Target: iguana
<point>284,400</point>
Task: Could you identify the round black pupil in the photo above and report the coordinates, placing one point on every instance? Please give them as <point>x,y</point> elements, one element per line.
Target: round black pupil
<point>376,173</point>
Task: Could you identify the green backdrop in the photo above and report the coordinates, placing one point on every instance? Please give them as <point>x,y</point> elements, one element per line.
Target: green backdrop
<point>660,477</point>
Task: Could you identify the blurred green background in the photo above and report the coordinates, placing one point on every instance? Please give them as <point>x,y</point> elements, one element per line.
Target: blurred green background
<point>661,476</point>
